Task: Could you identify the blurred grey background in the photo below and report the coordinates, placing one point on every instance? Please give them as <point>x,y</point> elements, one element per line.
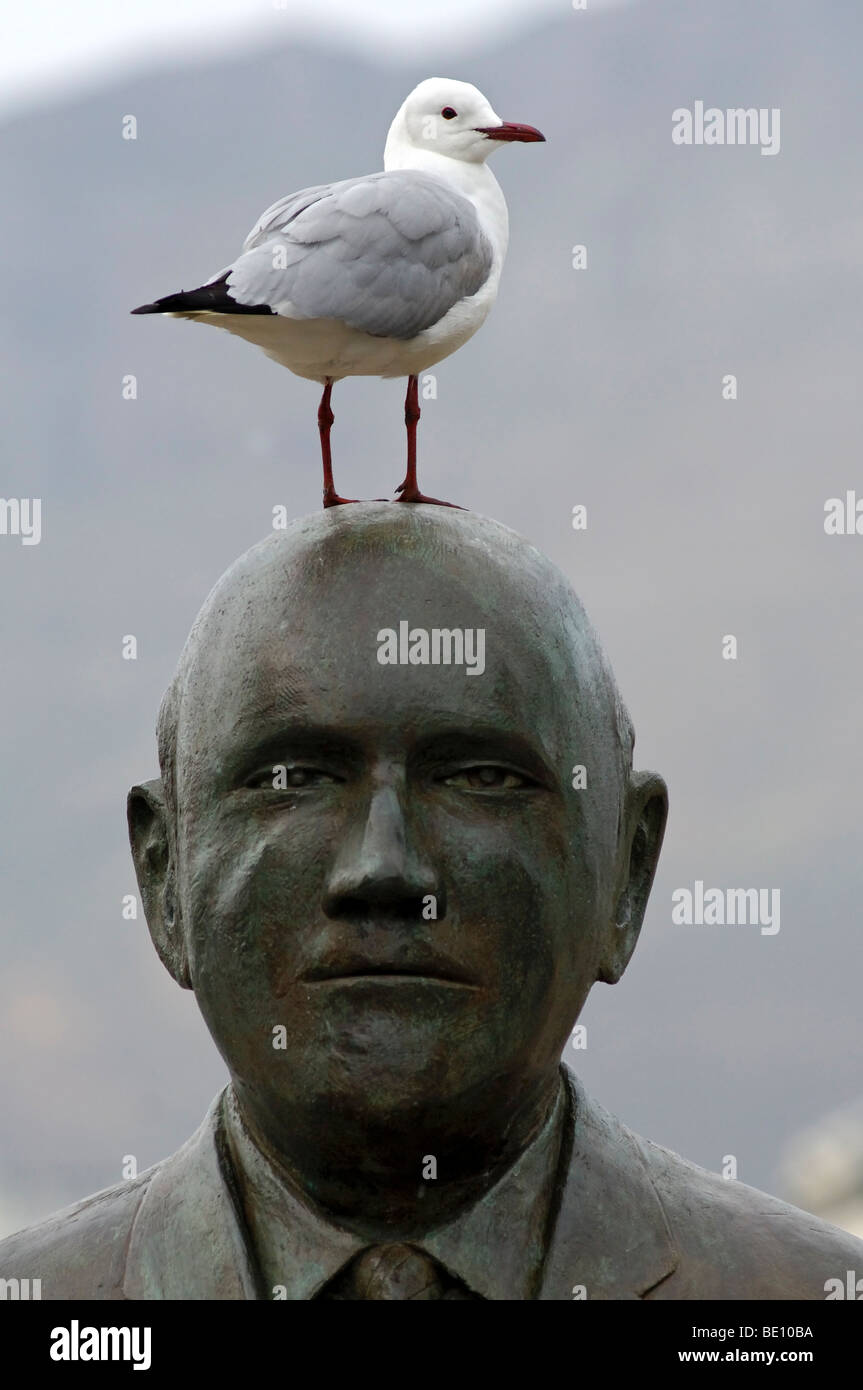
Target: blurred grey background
<point>600,386</point>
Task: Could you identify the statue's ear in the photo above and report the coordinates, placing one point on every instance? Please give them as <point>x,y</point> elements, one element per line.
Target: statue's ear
<point>154,867</point>
<point>638,854</point>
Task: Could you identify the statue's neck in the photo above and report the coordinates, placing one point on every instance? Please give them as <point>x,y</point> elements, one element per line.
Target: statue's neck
<point>392,1185</point>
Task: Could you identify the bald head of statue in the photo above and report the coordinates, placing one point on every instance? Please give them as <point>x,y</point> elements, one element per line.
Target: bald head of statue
<point>396,839</point>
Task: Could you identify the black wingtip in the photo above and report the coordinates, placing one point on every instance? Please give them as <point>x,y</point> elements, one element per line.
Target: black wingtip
<point>211,298</point>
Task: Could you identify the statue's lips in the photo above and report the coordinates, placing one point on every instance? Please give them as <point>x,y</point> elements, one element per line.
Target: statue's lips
<point>434,970</point>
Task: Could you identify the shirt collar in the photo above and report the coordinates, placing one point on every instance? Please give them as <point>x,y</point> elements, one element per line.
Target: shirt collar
<point>496,1246</point>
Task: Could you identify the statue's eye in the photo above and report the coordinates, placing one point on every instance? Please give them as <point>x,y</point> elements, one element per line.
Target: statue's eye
<point>486,778</point>
<point>283,778</point>
<point>448,113</point>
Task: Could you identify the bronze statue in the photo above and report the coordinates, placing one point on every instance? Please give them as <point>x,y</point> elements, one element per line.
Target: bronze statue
<point>368,856</point>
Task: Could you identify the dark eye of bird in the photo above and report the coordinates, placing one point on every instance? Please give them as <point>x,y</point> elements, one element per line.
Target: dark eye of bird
<point>448,113</point>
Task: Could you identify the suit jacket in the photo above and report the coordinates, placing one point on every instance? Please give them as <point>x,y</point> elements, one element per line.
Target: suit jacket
<point>633,1221</point>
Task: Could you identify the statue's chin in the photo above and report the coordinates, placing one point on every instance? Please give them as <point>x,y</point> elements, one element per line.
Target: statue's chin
<point>381,1100</point>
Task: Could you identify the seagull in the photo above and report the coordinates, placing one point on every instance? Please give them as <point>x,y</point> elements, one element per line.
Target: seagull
<point>382,275</point>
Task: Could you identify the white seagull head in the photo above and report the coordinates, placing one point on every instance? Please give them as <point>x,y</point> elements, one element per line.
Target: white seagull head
<point>454,119</point>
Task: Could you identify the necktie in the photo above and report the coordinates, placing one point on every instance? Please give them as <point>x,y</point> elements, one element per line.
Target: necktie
<point>394,1272</point>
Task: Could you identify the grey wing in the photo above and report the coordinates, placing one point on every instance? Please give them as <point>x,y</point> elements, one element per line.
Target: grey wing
<point>389,254</point>
<point>284,211</point>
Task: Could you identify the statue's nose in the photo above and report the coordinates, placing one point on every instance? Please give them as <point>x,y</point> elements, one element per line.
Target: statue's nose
<point>379,865</point>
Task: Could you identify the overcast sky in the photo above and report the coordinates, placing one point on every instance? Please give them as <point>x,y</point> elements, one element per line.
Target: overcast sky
<point>49,48</point>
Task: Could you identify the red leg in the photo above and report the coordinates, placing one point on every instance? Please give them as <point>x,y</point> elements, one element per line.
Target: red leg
<point>409,489</point>
<point>325,421</point>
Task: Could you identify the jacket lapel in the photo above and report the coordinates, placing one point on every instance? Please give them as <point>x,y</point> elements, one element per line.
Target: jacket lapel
<point>611,1235</point>
<point>188,1241</point>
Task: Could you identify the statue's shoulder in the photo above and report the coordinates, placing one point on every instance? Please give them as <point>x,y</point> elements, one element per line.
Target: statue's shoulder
<point>78,1252</point>
<point>736,1242</point>
<point>171,1232</point>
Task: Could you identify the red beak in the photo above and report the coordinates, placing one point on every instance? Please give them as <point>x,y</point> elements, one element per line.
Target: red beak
<point>511,130</point>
